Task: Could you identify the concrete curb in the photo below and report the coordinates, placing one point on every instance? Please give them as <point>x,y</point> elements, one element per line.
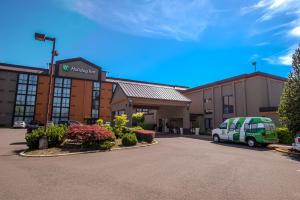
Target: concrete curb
<point>286,151</point>
<point>283,150</point>
<point>23,153</point>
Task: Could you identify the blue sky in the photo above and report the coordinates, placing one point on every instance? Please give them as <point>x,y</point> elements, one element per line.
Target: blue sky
<point>183,42</point>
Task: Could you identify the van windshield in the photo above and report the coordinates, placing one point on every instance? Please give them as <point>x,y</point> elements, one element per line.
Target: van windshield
<point>269,126</point>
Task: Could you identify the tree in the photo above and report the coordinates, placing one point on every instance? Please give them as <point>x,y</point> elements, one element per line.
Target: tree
<point>138,118</point>
<point>289,108</point>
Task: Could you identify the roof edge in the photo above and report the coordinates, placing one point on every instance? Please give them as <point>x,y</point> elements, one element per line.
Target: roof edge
<point>24,66</point>
<point>147,82</point>
<point>235,78</point>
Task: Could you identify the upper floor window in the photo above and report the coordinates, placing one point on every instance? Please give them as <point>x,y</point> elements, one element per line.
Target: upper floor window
<point>61,99</point>
<point>26,97</point>
<point>208,111</point>
<point>207,99</point>
<point>95,100</point>
<point>228,104</point>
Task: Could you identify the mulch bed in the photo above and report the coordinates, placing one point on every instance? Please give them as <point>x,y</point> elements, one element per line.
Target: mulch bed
<point>70,147</point>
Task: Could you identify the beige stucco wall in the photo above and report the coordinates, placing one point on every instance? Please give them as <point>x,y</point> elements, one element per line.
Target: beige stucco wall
<point>196,105</point>
<point>240,99</point>
<point>249,95</point>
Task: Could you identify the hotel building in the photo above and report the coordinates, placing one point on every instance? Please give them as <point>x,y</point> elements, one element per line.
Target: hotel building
<point>81,91</point>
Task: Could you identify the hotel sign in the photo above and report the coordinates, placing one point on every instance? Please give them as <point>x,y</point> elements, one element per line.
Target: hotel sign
<point>68,68</point>
<point>78,69</point>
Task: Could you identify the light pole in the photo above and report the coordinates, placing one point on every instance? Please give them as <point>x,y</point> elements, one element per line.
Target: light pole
<point>43,143</point>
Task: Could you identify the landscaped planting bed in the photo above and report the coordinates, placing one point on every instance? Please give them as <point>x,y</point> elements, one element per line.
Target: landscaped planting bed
<point>88,138</point>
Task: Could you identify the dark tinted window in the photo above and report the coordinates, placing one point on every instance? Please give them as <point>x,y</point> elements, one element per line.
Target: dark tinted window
<point>223,126</point>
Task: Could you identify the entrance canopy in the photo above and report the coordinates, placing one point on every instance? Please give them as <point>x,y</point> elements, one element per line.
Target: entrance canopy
<point>167,102</point>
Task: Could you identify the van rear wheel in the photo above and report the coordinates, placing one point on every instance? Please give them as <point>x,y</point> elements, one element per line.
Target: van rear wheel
<point>251,142</point>
<point>216,138</point>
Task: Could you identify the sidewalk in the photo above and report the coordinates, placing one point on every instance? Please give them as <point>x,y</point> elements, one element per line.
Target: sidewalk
<point>200,137</point>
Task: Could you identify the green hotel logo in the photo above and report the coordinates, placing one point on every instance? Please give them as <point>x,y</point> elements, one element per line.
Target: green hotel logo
<point>66,68</point>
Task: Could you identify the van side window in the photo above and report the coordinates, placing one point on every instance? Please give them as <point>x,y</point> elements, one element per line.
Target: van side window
<point>254,126</point>
<point>223,126</point>
<point>232,127</point>
<point>246,127</point>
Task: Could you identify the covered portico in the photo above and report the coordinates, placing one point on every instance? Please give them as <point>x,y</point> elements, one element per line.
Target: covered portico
<point>169,106</point>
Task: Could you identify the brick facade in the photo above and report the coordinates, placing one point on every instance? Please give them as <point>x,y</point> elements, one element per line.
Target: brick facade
<point>105,98</point>
<point>41,98</point>
<point>81,100</point>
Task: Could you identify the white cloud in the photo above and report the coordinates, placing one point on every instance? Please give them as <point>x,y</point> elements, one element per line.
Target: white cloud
<point>260,44</point>
<point>178,19</point>
<point>271,8</point>
<point>282,59</point>
<point>286,59</point>
<point>279,11</point>
<point>295,31</point>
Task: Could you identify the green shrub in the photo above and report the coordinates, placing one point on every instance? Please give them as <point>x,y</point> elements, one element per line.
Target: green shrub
<point>118,132</point>
<point>100,122</point>
<point>108,127</point>
<point>135,128</point>
<point>56,135</point>
<point>107,144</point>
<point>33,138</point>
<point>131,129</point>
<point>138,118</point>
<point>148,126</point>
<point>120,125</point>
<point>284,135</point>
<point>129,139</point>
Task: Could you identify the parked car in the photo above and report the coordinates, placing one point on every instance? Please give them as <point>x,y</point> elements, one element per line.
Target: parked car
<point>34,125</point>
<point>296,145</point>
<point>250,130</point>
<point>69,122</point>
<point>19,124</point>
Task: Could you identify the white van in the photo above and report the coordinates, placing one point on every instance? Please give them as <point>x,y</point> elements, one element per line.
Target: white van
<point>250,130</point>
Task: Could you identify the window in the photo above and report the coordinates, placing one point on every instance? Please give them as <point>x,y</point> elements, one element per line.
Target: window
<point>208,111</point>
<point>22,88</point>
<point>26,96</point>
<point>250,128</point>
<point>232,127</point>
<point>31,89</point>
<point>269,127</point>
<point>95,100</point>
<point>246,127</point>
<point>228,104</point>
<point>223,126</point>
<point>114,87</point>
<point>143,110</point>
<point>208,123</point>
<point>61,99</point>
<point>207,99</point>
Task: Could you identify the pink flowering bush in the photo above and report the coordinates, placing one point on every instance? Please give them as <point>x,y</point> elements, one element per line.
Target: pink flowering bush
<point>90,135</point>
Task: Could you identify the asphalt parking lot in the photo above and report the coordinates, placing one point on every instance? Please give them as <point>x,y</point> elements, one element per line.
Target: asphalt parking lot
<point>176,168</point>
